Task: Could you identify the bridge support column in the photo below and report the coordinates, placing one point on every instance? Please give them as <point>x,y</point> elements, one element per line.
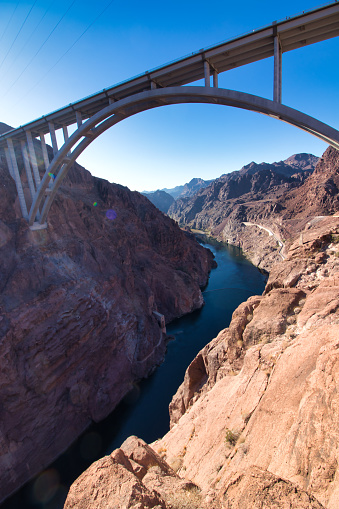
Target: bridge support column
<point>9,163</point>
<point>28,169</point>
<point>65,131</point>
<point>78,116</point>
<point>207,73</point>
<point>215,79</point>
<point>44,150</point>
<point>17,178</point>
<point>53,137</point>
<point>33,158</point>
<point>277,70</point>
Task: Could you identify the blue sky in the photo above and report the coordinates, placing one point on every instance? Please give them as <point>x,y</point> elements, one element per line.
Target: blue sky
<point>54,53</point>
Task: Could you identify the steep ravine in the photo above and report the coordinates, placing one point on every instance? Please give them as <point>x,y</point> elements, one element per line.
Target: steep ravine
<point>254,423</point>
<point>77,311</point>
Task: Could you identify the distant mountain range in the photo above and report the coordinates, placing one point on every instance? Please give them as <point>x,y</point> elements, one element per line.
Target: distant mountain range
<point>253,177</point>
<point>163,198</point>
<point>255,186</point>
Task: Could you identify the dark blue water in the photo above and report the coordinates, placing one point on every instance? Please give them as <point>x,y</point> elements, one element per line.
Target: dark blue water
<point>144,412</point>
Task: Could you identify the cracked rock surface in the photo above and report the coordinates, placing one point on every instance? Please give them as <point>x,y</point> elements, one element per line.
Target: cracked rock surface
<point>77,302</point>
<point>255,422</point>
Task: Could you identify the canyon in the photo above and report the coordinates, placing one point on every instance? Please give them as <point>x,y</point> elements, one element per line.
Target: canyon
<point>232,206</point>
<point>82,310</point>
<point>254,423</point>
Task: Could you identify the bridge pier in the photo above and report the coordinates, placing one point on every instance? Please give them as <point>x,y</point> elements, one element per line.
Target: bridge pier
<point>207,74</point>
<point>13,165</point>
<point>277,70</point>
<point>215,79</point>
<point>53,137</point>
<point>28,169</point>
<point>32,154</point>
<point>44,150</point>
<point>78,117</point>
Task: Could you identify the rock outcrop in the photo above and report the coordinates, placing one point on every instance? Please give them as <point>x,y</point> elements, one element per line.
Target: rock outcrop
<point>249,208</point>
<point>160,199</point>
<point>254,423</point>
<point>133,476</point>
<point>77,322</point>
<point>263,393</point>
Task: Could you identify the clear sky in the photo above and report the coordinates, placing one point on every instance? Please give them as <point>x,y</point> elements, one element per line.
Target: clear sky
<point>54,53</point>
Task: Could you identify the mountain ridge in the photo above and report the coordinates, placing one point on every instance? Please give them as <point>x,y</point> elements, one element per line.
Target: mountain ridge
<point>249,195</point>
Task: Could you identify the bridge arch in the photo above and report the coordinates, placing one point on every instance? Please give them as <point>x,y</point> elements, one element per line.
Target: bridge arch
<point>120,110</point>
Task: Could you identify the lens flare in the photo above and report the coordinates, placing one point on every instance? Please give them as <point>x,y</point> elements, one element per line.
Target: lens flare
<point>111,214</point>
<point>46,486</point>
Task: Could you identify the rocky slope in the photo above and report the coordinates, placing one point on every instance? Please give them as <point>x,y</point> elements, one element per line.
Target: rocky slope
<point>77,322</point>
<point>255,195</point>
<point>160,199</point>
<point>254,423</point>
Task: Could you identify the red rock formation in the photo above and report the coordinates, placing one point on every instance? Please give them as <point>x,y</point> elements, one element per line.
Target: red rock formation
<point>270,400</point>
<point>266,195</point>
<point>76,312</point>
<point>254,423</point>
<point>132,476</point>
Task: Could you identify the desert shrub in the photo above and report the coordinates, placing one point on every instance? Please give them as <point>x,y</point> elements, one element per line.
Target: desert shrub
<point>231,437</point>
<point>175,463</point>
<point>185,499</point>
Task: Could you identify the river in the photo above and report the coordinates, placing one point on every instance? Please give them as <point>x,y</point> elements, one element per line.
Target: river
<point>144,412</point>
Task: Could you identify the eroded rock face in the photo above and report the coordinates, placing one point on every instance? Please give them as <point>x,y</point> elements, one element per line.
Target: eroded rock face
<point>263,207</point>
<point>132,477</point>
<point>76,312</point>
<point>254,423</point>
<point>274,404</point>
<point>256,488</point>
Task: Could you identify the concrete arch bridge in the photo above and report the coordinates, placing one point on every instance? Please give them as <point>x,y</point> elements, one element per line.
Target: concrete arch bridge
<point>163,86</point>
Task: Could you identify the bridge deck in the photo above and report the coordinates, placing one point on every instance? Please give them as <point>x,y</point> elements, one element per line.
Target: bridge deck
<point>295,32</point>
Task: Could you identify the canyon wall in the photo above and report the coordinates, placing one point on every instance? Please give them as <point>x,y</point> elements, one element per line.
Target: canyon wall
<point>254,423</point>
<point>77,322</point>
<point>247,208</point>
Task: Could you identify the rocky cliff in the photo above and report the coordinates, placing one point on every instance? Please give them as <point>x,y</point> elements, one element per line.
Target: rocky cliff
<point>254,423</point>
<point>235,206</point>
<point>160,199</point>
<point>77,322</point>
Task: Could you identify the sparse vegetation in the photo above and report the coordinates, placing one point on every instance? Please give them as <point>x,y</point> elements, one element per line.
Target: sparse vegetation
<point>175,463</point>
<point>265,338</point>
<point>185,499</point>
<point>291,319</point>
<point>231,436</point>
